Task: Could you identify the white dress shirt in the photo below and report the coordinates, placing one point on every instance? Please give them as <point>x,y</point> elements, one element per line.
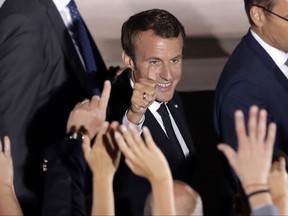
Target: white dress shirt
<point>1,3</point>
<point>153,109</point>
<point>278,56</point>
<point>64,11</point>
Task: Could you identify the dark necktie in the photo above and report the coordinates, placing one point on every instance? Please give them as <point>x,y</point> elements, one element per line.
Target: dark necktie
<point>169,130</point>
<point>286,63</point>
<point>83,42</point>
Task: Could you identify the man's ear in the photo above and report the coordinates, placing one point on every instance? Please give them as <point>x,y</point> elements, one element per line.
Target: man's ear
<point>257,15</point>
<point>127,60</point>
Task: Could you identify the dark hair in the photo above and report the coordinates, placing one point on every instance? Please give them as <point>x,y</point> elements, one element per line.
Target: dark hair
<point>264,3</point>
<point>161,22</point>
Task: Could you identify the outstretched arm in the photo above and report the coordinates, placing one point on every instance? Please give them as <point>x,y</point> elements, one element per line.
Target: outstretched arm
<point>103,159</point>
<point>8,202</point>
<point>145,159</point>
<point>252,161</point>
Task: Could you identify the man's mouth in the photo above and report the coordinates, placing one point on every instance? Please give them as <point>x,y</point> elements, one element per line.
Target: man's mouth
<point>164,85</point>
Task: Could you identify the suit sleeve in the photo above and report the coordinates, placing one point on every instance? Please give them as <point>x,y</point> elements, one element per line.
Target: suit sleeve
<point>240,96</point>
<point>21,61</point>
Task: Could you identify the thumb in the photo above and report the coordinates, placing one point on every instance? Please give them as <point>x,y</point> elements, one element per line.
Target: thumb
<point>229,152</point>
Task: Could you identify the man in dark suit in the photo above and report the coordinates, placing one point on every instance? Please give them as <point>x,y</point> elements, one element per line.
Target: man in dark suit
<point>42,78</point>
<point>256,73</point>
<point>152,44</point>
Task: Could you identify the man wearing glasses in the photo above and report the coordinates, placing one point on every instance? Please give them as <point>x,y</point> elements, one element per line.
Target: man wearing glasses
<point>256,73</point>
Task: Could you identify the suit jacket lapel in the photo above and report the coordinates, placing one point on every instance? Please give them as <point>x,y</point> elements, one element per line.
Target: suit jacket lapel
<point>174,108</point>
<point>267,60</point>
<point>65,41</point>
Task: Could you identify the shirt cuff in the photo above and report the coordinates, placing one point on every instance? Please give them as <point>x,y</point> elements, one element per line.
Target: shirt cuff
<point>138,127</point>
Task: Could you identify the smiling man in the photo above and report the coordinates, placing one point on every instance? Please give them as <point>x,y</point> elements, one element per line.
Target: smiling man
<point>144,94</point>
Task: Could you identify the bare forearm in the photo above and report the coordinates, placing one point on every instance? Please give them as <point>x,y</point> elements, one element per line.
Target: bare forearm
<point>163,197</point>
<point>8,202</point>
<point>260,200</point>
<point>103,197</point>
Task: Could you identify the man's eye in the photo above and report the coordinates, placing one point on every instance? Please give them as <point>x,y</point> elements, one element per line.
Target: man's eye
<point>175,60</point>
<point>154,62</point>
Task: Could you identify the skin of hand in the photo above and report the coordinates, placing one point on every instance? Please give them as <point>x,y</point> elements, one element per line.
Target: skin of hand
<point>8,201</point>
<point>103,159</point>
<point>139,104</point>
<point>6,168</point>
<point>88,116</point>
<point>143,158</point>
<point>103,156</point>
<point>278,185</point>
<point>252,161</point>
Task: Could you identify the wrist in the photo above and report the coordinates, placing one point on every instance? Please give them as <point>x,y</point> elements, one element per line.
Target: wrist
<point>134,117</point>
<point>106,178</point>
<point>257,192</point>
<point>164,180</point>
<point>249,188</point>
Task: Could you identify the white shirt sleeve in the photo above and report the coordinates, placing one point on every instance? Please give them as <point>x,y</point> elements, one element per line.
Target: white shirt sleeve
<point>138,127</point>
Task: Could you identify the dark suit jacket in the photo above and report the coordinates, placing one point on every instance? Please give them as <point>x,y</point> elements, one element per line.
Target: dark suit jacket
<point>41,79</point>
<point>131,190</point>
<point>250,77</point>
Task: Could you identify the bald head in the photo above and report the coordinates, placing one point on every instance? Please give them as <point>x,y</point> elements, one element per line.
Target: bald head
<point>187,200</point>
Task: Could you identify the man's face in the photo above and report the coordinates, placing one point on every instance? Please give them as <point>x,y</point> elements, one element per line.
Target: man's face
<point>159,59</point>
<point>275,29</point>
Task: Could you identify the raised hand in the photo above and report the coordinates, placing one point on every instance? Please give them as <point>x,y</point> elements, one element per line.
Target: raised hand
<point>89,116</point>
<point>104,155</point>
<point>143,96</point>
<point>103,159</point>
<point>252,161</point>
<point>143,158</point>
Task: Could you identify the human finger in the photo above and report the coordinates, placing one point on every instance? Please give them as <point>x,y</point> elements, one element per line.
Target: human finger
<point>262,125</point>
<point>252,123</point>
<point>229,153</point>
<point>105,95</point>
<point>240,128</point>
<point>103,130</point>
<point>95,100</point>
<point>148,138</point>
<point>86,146</point>
<point>85,103</point>
<point>271,135</point>
<point>7,146</point>
<point>131,139</point>
<point>139,145</point>
<point>282,164</point>
<point>123,146</point>
<point>275,166</point>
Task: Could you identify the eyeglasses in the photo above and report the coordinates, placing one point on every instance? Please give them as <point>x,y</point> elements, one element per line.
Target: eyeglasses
<point>269,11</point>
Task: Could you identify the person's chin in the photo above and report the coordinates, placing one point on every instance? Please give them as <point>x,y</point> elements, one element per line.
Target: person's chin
<point>164,98</point>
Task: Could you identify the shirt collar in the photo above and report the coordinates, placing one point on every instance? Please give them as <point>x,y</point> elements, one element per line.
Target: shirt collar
<point>278,56</point>
<point>1,3</point>
<point>61,4</point>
